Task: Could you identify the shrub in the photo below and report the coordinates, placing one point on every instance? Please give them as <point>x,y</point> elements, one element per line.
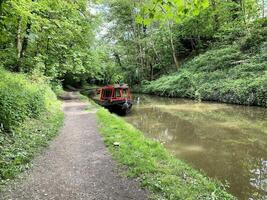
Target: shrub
<point>20,99</point>
<point>252,43</point>
<point>30,116</point>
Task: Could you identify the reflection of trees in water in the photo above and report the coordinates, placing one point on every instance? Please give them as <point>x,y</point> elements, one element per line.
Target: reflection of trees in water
<point>162,125</point>
<point>234,116</point>
<point>234,143</point>
<point>151,99</point>
<point>259,179</point>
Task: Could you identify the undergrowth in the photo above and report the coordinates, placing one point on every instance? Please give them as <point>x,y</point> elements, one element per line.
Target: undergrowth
<point>234,73</point>
<point>30,116</point>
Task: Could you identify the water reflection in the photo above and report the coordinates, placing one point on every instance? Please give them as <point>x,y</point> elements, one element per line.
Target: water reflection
<point>226,142</point>
<point>259,176</point>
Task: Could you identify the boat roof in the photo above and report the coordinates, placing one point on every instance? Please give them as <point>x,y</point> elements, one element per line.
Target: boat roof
<point>121,86</point>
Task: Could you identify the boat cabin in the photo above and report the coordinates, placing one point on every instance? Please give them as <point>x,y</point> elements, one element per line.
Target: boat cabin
<point>114,93</point>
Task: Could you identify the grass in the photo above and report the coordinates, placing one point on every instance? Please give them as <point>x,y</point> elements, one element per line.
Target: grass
<point>163,175</point>
<point>30,117</point>
<point>31,137</point>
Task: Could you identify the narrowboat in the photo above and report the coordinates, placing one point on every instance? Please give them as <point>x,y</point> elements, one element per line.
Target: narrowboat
<point>117,98</point>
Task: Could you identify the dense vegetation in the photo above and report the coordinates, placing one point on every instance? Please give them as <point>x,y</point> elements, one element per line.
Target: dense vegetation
<point>226,74</point>
<point>42,43</point>
<point>202,49</point>
<point>211,50</point>
<point>21,99</point>
<point>30,115</point>
<point>50,38</point>
<point>106,41</point>
<point>165,176</point>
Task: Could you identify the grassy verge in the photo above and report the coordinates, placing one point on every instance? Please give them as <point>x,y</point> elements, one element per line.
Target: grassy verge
<point>31,137</point>
<point>165,176</point>
<point>30,116</point>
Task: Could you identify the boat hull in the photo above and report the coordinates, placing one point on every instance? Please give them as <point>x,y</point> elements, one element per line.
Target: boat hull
<point>121,107</point>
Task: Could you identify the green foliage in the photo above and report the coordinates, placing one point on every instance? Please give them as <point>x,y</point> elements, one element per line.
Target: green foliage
<point>225,74</point>
<point>27,140</point>
<point>165,11</point>
<point>21,99</point>
<point>30,116</point>
<point>154,38</point>
<point>164,176</point>
<point>56,86</point>
<point>252,43</point>
<point>51,37</point>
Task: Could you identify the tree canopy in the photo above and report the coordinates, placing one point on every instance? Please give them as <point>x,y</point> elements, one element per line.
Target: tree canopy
<point>107,41</point>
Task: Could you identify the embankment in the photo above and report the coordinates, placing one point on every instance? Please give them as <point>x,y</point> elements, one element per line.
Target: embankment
<point>234,73</point>
<point>30,115</point>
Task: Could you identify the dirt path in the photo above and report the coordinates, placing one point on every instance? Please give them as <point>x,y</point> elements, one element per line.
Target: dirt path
<point>76,165</point>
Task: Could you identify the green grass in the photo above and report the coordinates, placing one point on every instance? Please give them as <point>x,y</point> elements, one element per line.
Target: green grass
<point>21,97</point>
<point>31,137</point>
<point>30,117</point>
<point>163,175</point>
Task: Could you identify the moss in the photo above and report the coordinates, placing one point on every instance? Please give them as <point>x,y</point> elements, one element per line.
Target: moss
<point>165,176</point>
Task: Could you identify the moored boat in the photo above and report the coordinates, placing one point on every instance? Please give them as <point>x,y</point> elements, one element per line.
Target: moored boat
<point>117,98</point>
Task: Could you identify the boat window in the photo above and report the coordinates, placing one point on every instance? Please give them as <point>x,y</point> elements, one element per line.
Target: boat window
<point>117,93</point>
<point>124,93</point>
<point>107,93</point>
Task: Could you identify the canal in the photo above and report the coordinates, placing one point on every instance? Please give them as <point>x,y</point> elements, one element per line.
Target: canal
<point>225,142</point>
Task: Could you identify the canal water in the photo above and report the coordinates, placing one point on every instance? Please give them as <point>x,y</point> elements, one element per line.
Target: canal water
<point>226,142</point>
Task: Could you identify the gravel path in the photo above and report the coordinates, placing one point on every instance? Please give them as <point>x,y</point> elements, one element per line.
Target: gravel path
<point>76,165</point>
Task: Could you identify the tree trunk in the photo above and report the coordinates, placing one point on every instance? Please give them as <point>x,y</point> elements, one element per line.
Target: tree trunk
<point>47,54</point>
<point>19,44</point>
<point>137,30</point>
<point>1,2</point>
<point>37,48</point>
<point>263,8</point>
<point>243,9</point>
<point>25,39</point>
<point>173,48</point>
<point>216,17</point>
<point>151,72</point>
<point>158,58</point>
<point>193,46</point>
<point>118,59</point>
<point>141,52</point>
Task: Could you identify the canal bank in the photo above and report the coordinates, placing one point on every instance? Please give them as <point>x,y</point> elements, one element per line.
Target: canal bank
<point>165,176</point>
<point>226,142</point>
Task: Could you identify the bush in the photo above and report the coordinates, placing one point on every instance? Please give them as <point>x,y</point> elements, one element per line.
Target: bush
<point>30,116</point>
<point>21,99</point>
<point>252,43</point>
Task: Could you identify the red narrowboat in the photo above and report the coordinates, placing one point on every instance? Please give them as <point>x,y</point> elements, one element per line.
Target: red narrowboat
<point>117,98</point>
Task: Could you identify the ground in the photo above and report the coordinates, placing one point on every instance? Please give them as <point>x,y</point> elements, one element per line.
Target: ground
<point>76,165</point>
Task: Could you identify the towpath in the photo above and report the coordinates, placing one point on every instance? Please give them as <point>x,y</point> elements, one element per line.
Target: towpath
<point>76,165</point>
